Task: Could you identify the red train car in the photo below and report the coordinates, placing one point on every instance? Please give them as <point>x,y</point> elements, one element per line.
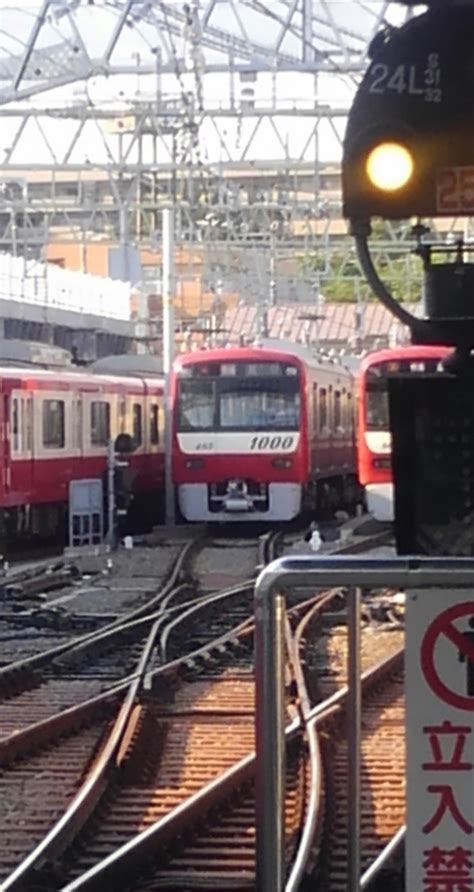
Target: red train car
<point>374,444</point>
<point>260,432</point>
<point>55,427</point>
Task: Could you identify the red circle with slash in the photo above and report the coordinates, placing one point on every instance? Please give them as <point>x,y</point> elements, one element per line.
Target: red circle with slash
<point>443,626</point>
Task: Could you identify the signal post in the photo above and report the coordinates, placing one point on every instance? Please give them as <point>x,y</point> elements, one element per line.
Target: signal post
<point>168,285</point>
<point>409,152</point>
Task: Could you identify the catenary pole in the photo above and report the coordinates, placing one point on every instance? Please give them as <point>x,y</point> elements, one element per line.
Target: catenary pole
<point>168,284</point>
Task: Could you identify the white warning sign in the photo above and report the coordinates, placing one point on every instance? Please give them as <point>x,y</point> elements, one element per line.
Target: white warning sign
<point>440,741</point>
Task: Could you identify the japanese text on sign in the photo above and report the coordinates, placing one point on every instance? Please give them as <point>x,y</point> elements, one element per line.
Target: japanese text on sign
<point>440,739</point>
<point>447,870</point>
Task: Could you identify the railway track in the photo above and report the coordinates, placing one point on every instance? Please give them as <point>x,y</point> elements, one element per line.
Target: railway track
<point>46,605</point>
<point>321,679</point>
<point>157,793</point>
<point>41,686</point>
<point>18,744</point>
<point>382,778</point>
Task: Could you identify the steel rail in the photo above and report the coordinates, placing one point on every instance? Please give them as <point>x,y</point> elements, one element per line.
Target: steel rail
<point>45,730</point>
<point>41,733</point>
<point>267,547</point>
<point>91,791</point>
<point>47,565</point>
<point>164,597</point>
<point>209,599</point>
<point>313,819</point>
<point>110,872</point>
<point>87,797</point>
<point>383,858</point>
<point>38,660</point>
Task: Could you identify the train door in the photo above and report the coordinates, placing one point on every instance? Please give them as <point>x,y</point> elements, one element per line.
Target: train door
<point>122,421</point>
<point>21,444</point>
<point>78,434</point>
<point>313,430</point>
<point>138,423</point>
<point>6,467</point>
<point>26,426</point>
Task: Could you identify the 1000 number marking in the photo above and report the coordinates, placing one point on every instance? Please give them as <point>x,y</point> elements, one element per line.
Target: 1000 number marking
<point>271,442</point>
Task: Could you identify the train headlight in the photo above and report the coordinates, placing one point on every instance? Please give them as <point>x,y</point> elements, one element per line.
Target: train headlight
<point>382,463</point>
<point>282,462</point>
<point>194,464</point>
<point>389,166</point>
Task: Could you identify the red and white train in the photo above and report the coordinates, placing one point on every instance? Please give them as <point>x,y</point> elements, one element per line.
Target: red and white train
<point>374,442</point>
<point>55,427</point>
<point>260,432</point>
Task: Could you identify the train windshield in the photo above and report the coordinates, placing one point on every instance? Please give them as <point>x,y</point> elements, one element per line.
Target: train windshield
<point>260,407</point>
<point>376,403</point>
<point>239,402</point>
<point>377,418</point>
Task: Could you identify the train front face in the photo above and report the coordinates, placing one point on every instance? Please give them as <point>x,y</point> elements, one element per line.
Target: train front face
<point>238,450</point>
<point>374,439</point>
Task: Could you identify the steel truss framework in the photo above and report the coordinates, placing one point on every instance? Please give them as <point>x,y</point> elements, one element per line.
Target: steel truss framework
<point>145,128</point>
<point>62,41</point>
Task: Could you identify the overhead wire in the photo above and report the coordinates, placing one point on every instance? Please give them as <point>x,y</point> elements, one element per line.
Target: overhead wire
<point>191,125</point>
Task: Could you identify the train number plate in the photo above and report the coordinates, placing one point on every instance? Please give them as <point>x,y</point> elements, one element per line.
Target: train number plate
<point>455,190</point>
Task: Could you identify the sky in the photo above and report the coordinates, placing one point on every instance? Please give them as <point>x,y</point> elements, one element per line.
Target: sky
<point>134,47</point>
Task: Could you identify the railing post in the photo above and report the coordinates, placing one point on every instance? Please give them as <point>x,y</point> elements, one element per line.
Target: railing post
<point>270,745</point>
<point>354,710</point>
<point>316,572</point>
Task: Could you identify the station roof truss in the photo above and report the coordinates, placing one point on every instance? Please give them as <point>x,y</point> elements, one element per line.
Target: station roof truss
<point>148,142</point>
<point>50,44</point>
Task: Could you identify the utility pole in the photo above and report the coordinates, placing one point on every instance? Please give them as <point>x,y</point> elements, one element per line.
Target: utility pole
<point>167,289</point>
<point>110,537</point>
<point>272,283</point>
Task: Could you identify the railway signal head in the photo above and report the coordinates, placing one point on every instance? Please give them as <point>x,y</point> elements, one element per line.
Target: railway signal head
<point>389,166</point>
<point>408,145</point>
<point>409,152</point>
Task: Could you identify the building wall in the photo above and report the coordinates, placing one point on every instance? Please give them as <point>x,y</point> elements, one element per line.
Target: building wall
<point>89,258</point>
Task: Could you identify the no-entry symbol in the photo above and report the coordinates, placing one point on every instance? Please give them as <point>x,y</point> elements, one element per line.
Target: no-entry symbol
<point>461,636</point>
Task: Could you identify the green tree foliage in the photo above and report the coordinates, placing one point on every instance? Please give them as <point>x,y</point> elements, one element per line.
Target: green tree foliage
<point>340,277</point>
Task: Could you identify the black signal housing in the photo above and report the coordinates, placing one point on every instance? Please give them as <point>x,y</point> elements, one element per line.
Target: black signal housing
<point>417,91</point>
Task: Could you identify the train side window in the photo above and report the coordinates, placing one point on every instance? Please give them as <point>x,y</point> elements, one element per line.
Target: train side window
<point>154,430</point>
<point>78,423</point>
<point>137,424</point>
<point>323,408</point>
<point>15,422</point>
<point>350,413</point>
<point>28,424</point>
<point>337,410</point>
<point>23,445</point>
<point>100,423</point>
<point>53,424</point>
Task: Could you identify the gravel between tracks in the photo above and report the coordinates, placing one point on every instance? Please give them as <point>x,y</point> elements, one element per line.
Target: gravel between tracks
<point>118,582</point>
<point>225,563</point>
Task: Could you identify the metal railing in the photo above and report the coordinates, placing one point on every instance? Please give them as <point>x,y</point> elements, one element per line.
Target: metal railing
<point>396,572</point>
